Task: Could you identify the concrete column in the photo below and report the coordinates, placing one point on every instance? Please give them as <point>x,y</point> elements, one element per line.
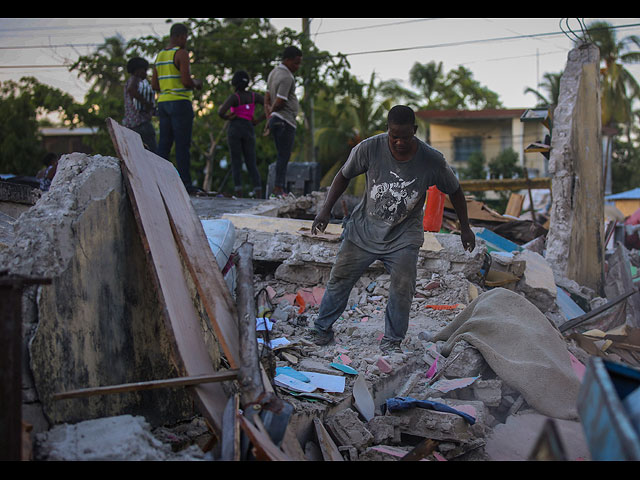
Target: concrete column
<point>575,240</point>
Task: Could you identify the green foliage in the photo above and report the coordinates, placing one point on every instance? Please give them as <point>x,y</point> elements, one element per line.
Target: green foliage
<point>475,168</point>
<point>21,149</point>
<point>455,90</point>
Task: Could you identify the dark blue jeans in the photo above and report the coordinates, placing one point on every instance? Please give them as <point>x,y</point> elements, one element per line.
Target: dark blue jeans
<point>148,135</point>
<point>283,137</point>
<point>241,137</point>
<point>176,125</point>
<point>351,262</point>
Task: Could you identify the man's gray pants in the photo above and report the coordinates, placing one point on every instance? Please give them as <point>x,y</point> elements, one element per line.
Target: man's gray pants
<point>351,262</point>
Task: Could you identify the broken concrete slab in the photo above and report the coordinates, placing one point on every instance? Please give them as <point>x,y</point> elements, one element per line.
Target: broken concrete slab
<point>99,322</point>
<point>515,439</point>
<point>467,361</point>
<point>436,425</point>
<point>120,438</point>
<point>537,282</point>
<point>383,453</point>
<point>349,430</point>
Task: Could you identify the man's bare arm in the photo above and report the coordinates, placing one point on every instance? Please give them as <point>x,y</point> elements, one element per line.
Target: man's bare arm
<point>460,205</point>
<point>338,187</point>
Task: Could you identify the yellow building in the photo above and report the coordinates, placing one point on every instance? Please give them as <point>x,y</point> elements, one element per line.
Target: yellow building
<point>459,133</point>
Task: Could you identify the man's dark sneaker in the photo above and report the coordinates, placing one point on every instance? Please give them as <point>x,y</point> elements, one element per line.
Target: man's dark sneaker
<point>390,346</point>
<point>319,337</point>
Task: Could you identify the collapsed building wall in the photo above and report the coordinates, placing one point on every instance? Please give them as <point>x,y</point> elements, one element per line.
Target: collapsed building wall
<point>575,243</point>
<point>99,322</point>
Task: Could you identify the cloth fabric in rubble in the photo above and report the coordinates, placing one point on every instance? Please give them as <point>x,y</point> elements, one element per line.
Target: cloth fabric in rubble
<point>405,403</point>
<point>521,347</point>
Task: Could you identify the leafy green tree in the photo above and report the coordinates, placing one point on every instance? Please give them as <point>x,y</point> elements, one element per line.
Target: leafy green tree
<point>505,165</point>
<point>21,103</point>
<point>475,170</point>
<point>219,47</point>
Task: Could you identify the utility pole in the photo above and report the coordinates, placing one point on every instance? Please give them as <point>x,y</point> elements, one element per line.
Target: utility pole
<point>308,98</point>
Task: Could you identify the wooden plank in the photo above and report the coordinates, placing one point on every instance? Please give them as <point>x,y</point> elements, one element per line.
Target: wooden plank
<point>200,260</point>
<point>514,207</point>
<point>181,318</point>
<point>265,448</point>
<point>425,448</point>
<point>328,447</point>
<point>150,385</point>
<point>230,442</point>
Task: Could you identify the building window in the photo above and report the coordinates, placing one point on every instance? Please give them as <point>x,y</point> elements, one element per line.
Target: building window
<point>463,147</point>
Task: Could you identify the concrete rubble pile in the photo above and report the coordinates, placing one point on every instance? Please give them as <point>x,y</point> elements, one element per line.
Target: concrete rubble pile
<point>504,391</point>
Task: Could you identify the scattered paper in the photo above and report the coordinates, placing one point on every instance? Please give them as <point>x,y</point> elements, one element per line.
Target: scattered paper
<point>263,324</point>
<point>328,383</point>
<point>292,373</point>
<point>275,343</point>
<point>296,385</point>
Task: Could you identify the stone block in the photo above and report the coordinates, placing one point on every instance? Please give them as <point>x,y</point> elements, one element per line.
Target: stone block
<point>385,429</point>
<point>436,425</point>
<point>488,391</point>
<point>538,282</point>
<point>347,429</point>
<point>470,363</point>
<point>383,453</point>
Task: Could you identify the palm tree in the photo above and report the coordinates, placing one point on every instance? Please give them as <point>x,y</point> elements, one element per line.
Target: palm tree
<point>551,87</point>
<point>619,87</point>
<point>344,121</point>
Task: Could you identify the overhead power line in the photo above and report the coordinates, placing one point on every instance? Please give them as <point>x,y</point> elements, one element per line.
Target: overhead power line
<point>369,52</point>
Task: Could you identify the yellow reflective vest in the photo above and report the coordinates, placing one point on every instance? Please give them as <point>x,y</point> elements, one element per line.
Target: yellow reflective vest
<point>171,87</point>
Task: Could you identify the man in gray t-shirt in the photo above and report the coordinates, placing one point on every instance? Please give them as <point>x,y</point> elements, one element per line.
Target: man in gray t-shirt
<point>387,224</point>
<point>281,107</point>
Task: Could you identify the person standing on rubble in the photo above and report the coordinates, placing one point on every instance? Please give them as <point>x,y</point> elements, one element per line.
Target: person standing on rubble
<point>387,223</point>
<point>172,79</point>
<point>241,135</point>
<point>140,103</point>
<point>281,106</point>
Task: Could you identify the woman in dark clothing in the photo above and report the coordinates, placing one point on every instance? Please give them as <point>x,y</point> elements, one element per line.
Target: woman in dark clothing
<point>241,133</point>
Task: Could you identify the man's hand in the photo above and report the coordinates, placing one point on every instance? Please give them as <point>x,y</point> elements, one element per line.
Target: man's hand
<point>320,222</point>
<point>468,239</point>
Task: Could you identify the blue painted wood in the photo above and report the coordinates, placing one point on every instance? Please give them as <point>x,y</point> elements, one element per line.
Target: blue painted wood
<point>609,432</point>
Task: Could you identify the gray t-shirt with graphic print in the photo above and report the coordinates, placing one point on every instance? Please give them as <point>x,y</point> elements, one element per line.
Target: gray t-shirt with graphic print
<point>389,217</point>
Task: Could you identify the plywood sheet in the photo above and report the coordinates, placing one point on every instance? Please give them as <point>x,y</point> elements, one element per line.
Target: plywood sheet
<point>156,211</point>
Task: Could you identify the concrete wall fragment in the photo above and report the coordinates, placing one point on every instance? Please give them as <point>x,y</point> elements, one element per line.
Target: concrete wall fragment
<point>575,239</point>
<point>99,322</point>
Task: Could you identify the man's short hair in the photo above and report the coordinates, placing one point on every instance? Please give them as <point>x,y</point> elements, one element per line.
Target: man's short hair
<point>291,52</point>
<point>178,29</point>
<point>401,115</point>
<point>136,63</point>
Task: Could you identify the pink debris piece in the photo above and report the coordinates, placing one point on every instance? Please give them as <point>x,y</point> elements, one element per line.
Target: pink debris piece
<point>433,369</point>
<point>318,293</point>
<point>578,367</point>
<point>384,366</point>
<point>344,359</point>
<point>271,292</point>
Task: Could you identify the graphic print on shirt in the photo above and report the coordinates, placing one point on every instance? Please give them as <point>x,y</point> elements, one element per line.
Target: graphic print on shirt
<point>393,200</point>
